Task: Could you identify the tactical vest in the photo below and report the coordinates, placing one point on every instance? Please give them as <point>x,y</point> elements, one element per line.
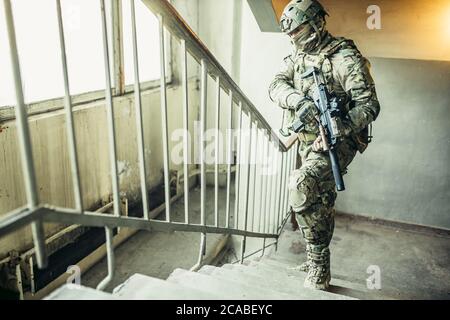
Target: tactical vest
<point>303,62</point>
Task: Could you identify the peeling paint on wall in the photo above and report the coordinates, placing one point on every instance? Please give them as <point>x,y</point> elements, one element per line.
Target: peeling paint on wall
<point>124,168</point>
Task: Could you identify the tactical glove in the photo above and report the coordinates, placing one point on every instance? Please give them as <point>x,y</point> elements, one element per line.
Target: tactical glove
<point>307,111</point>
<point>345,128</point>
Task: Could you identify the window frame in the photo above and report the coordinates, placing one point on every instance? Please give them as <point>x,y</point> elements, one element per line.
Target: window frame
<point>7,112</point>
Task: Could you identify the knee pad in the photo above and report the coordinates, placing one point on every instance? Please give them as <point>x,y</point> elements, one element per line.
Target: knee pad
<point>316,225</point>
<point>303,190</point>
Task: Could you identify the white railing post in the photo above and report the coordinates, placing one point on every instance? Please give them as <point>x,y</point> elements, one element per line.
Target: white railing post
<point>254,164</point>
<point>230,160</point>
<point>112,151</point>
<point>203,102</point>
<point>139,119</point>
<point>110,259</point>
<point>71,138</point>
<point>217,154</point>
<point>186,146</point>
<point>238,170</point>
<point>110,115</point>
<point>23,132</point>
<point>270,186</point>
<point>282,190</point>
<point>164,118</point>
<point>247,186</point>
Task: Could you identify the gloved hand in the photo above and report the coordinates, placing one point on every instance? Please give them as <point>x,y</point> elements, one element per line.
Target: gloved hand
<point>307,111</point>
<point>317,145</point>
<point>345,127</point>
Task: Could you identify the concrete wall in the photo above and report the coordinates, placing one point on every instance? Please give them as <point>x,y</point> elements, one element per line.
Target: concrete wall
<point>409,29</point>
<point>404,174</point>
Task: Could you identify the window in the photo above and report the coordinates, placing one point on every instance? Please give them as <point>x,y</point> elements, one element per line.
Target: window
<point>39,49</point>
<point>147,26</point>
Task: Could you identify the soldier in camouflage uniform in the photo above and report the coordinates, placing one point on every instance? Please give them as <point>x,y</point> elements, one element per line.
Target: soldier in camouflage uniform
<point>346,72</point>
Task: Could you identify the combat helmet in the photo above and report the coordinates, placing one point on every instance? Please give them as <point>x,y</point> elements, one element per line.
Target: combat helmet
<point>298,12</point>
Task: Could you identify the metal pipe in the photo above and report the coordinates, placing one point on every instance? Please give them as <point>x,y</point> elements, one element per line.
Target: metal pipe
<point>164,118</point>
<point>110,115</point>
<point>70,131</point>
<point>201,253</point>
<point>253,253</point>
<point>23,133</point>
<point>238,170</point>
<point>230,161</point>
<point>110,259</point>
<point>217,155</point>
<point>247,186</point>
<point>139,120</point>
<point>186,146</point>
<point>263,247</point>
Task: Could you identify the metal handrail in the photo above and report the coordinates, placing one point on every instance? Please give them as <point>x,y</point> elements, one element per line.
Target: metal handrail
<point>274,206</point>
<point>179,28</point>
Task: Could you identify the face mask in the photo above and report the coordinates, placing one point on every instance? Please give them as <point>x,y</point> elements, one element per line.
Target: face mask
<point>307,38</point>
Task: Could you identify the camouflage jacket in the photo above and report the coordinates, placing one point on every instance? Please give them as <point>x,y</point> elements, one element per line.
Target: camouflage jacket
<point>347,75</point>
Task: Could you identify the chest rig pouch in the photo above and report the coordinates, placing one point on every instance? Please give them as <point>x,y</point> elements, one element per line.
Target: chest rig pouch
<point>305,86</point>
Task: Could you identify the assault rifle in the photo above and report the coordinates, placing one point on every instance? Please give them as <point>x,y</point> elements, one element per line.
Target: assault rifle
<point>329,120</point>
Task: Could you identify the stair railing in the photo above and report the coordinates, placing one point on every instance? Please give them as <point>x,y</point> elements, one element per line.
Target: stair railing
<point>272,188</point>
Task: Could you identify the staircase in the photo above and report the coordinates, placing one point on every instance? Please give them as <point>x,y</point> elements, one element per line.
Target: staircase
<point>261,163</point>
<point>271,277</point>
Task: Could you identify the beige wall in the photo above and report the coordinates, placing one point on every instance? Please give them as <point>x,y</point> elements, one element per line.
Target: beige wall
<point>52,163</point>
<point>411,29</point>
<point>404,174</point>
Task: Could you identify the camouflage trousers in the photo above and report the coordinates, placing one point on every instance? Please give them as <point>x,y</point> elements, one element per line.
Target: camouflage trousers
<point>312,192</point>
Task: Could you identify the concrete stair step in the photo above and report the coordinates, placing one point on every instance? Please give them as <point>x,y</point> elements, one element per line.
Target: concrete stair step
<point>283,283</point>
<point>278,261</point>
<point>273,267</point>
<point>268,273</point>
<point>297,259</point>
<point>288,256</point>
<point>253,277</point>
<point>141,287</point>
<point>75,292</point>
<point>228,289</point>
<point>337,285</point>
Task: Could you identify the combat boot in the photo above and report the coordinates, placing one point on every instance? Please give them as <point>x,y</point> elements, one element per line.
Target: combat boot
<point>304,267</point>
<point>319,275</point>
